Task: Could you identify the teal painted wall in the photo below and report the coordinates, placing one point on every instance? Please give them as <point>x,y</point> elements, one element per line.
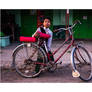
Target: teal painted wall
<point>18,18</point>
<point>59,17</point>
<point>56,17</point>
<point>17,14</point>
<point>59,20</point>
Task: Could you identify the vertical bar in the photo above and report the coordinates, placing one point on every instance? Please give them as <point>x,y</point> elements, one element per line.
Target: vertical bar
<point>67,22</point>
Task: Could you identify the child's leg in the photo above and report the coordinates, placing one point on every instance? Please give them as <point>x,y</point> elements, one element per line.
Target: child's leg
<point>51,56</point>
<point>39,59</point>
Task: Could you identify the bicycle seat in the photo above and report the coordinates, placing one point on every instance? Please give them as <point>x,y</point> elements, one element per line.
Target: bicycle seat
<point>27,39</point>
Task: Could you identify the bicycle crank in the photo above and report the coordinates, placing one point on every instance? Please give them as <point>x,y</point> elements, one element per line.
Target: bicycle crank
<point>52,68</point>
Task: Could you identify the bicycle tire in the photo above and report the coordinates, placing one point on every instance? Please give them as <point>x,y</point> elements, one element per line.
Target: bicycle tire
<point>26,70</point>
<point>82,62</point>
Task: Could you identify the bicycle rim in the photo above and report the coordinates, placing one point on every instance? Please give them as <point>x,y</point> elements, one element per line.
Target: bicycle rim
<point>82,63</point>
<point>27,58</point>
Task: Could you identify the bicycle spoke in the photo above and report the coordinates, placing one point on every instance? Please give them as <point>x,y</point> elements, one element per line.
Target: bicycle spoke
<point>82,63</point>
<point>34,51</point>
<point>80,53</point>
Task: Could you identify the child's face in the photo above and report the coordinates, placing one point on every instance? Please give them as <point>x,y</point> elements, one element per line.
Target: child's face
<point>46,23</point>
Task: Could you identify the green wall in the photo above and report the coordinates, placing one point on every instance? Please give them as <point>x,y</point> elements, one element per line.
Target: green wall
<point>83,31</point>
<point>28,22</point>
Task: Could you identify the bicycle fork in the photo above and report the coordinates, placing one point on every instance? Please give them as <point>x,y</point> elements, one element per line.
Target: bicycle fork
<point>75,73</point>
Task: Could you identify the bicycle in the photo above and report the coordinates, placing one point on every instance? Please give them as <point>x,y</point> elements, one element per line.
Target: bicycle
<point>32,57</point>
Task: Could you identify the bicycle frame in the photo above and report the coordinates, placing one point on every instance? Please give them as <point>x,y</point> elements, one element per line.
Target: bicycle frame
<point>53,53</point>
<point>72,42</point>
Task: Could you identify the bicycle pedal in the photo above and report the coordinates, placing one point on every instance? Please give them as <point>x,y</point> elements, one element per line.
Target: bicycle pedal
<point>75,74</point>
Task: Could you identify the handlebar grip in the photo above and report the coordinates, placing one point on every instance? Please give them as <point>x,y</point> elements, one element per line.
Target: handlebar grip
<point>77,21</point>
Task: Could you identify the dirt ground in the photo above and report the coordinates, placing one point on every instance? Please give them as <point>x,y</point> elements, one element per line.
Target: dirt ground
<point>61,75</point>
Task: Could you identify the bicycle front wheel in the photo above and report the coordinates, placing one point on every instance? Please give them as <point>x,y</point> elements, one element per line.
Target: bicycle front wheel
<point>82,63</point>
<point>29,59</point>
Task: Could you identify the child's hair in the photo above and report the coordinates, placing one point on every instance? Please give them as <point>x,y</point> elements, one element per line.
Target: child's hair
<point>46,18</point>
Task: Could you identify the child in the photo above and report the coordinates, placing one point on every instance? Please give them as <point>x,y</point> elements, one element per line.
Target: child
<point>45,29</point>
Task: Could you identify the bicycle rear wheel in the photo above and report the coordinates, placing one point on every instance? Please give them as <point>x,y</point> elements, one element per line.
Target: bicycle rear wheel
<point>82,63</point>
<point>29,59</point>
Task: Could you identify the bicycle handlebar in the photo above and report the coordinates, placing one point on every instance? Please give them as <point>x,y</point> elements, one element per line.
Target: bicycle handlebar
<point>60,29</point>
<point>75,22</point>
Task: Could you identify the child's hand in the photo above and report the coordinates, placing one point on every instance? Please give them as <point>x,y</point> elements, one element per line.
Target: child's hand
<point>37,35</point>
